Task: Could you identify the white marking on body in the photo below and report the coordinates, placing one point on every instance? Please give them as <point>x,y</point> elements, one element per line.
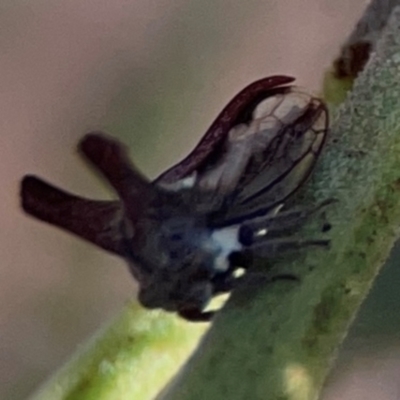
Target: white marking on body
<point>277,209</point>
<point>184,183</point>
<point>262,232</point>
<point>189,181</point>
<point>227,241</point>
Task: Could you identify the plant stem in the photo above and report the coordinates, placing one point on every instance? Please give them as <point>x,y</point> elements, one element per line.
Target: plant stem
<point>131,359</point>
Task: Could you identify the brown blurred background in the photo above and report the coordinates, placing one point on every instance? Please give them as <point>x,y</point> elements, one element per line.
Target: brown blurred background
<point>154,73</point>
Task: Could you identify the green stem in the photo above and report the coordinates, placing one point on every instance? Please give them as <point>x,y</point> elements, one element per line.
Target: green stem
<point>131,359</point>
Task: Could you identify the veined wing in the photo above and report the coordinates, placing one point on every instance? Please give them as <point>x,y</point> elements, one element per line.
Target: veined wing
<point>238,111</point>
<point>284,140</point>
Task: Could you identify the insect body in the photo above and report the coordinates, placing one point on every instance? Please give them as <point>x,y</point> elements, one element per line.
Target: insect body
<point>183,234</point>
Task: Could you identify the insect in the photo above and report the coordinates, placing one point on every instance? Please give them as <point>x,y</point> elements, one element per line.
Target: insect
<point>185,234</point>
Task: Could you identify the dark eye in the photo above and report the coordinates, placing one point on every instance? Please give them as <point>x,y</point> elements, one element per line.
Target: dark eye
<point>246,235</point>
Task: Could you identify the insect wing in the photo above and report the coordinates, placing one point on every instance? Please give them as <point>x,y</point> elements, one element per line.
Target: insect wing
<point>292,128</point>
<point>237,111</point>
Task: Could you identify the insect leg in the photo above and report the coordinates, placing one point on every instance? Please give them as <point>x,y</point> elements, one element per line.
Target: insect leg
<point>272,247</point>
<point>254,280</point>
<point>258,277</point>
<point>258,228</point>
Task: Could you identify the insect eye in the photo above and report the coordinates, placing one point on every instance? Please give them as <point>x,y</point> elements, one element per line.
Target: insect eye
<point>245,235</point>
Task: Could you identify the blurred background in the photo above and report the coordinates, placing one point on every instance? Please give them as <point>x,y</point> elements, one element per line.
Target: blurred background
<point>154,73</point>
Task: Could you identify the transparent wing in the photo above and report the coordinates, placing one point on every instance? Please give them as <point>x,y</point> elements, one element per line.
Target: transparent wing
<point>283,143</point>
<point>237,111</point>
